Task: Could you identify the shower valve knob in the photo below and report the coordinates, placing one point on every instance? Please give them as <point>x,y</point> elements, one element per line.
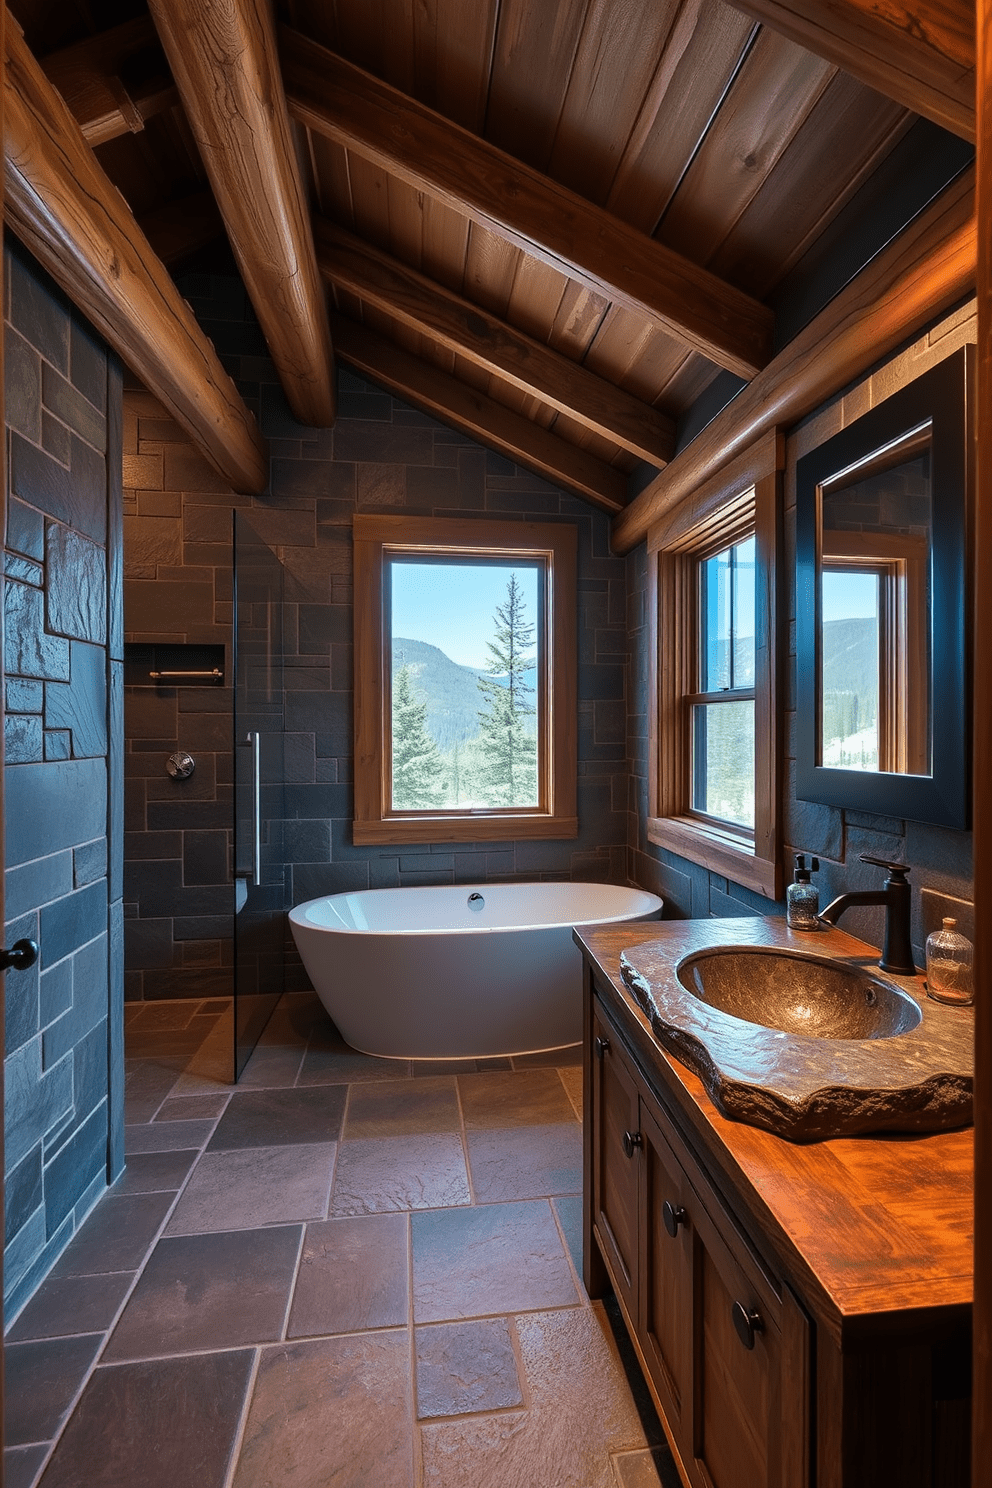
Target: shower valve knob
<point>180,765</point>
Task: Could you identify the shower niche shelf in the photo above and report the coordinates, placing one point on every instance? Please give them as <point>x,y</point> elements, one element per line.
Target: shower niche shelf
<point>173,665</point>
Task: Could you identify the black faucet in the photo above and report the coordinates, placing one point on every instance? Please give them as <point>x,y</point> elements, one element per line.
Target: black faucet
<point>897,949</point>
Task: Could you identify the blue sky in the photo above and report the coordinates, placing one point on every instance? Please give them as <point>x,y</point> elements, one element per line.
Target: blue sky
<point>452,605</point>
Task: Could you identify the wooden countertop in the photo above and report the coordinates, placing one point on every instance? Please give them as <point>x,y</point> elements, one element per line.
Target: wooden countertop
<point>875,1231</point>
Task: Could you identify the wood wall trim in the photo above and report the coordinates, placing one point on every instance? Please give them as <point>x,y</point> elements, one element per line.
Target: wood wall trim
<point>925,272</point>
<point>92,77</point>
<point>226,66</point>
<point>470,331</point>
<point>982,753</point>
<point>341,102</point>
<point>455,403</point>
<point>62,206</point>
<point>922,55</point>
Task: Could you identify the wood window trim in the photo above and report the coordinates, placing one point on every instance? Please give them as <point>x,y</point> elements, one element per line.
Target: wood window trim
<point>745,496</point>
<point>556,543</point>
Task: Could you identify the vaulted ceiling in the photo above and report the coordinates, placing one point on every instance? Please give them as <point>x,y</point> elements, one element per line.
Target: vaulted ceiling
<point>566,226</point>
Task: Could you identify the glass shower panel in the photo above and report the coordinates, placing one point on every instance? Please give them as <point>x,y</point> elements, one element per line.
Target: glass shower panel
<point>259,775</point>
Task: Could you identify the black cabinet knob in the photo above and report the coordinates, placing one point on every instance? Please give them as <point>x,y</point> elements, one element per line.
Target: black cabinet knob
<point>631,1142</point>
<point>746,1324</point>
<point>22,954</point>
<point>673,1217</point>
<point>602,1047</point>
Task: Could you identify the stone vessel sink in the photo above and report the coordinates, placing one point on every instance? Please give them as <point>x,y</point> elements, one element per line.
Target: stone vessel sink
<point>806,995</point>
<point>808,1044</point>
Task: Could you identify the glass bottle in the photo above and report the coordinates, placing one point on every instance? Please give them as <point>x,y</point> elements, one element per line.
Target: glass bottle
<point>802,897</point>
<point>949,966</point>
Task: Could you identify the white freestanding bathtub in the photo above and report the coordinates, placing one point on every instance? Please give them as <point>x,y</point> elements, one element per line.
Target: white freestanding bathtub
<point>457,972</point>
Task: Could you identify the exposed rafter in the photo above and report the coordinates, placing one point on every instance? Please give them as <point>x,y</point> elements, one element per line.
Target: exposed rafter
<point>61,204</point>
<point>921,55</point>
<point>340,101</point>
<point>379,280</point>
<point>923,273</point>
<point>113,82</point>
<point>226,66</point>
<point>444,397</point>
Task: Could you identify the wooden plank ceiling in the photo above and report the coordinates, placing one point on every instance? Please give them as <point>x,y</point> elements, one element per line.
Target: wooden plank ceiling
<point>551,224</point>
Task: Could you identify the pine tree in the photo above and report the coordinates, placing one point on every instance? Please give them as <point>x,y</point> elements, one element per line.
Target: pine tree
<point>507,750</point>
<point>419,777</point>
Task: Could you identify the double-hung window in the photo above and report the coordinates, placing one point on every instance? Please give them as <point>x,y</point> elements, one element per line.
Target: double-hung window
<point>712,609</point>
<point>465,675</point>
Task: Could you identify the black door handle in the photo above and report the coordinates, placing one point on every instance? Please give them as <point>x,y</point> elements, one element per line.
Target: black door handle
<point>22,954</point>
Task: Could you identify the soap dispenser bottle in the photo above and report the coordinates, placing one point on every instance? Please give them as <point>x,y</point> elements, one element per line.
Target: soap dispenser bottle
<point>802,897</point>
<point>950,971</point>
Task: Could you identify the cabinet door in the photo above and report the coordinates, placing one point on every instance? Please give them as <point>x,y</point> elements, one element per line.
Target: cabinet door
<point>750,1398</point>
<point>617,1145</point>
<point>665,1318</point>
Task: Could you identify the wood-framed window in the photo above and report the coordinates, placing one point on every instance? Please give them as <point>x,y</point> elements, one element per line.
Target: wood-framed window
<point>467,730</point>
<point>713,769</point>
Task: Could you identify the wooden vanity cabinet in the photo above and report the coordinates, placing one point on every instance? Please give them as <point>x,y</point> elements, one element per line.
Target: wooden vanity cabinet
<point>724,1349</point>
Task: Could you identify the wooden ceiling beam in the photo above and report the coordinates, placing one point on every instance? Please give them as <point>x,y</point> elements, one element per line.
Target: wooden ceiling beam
<point>63,207</point>
<point>926,271</point>
<point>113,82</point>
<point>469,331</point>
<point>225,63</point>
<point>922,55</point>
<point>454,403</point>
<point>335,99</point>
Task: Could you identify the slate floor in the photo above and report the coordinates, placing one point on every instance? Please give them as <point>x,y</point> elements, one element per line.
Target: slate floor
<point>341,1273</point>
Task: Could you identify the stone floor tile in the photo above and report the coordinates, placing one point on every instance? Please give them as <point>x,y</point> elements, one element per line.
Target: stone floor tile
<point>556,1058</point>
<point>72,1304</point>
<point>162,1016</point>
<point>213,1291</point>
<point>255,1186</point>
<point>167,1423</point>
<point>525,1162</point>
<point>116,1236</point>
<point>514,1098</point>
<point>376,1174</point>
<point>466,1367</point>
<point>353,1276</point>
<point>272,1066</point>
<point>497,1258</point>
<point>580,1411</point>
<point>21,1464</point>
<point>333,1061</point>
<point>572,1080</point>
<point>41,1380</point>
<point>568,1208</point>
<point>212,1065</point>
<point>167,1136</point>
<point>147,1082</point>
<point>271,1118</point>
<point>647,1469</point>
<point>155,1172</point>
<point>192,1108</point>
<point>332,1411</point>
<point>393,1108</point>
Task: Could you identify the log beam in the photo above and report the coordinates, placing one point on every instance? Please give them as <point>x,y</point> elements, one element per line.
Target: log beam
<point>113,82</point>
<point>62,206</point>
<point>471,332</point>
<point>226,66</point>
<point>454,403</point>
<point>341,102</point>
<point>922,55</point>
<point>925,272</point>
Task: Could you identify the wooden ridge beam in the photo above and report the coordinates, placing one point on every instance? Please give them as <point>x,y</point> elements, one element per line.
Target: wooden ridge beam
<point>113,82</point>
<point>454,403</point>
<point>62,206</point>
<point>924,273</point>
<point>923,55</point>
<point>226,66</point>
<point>336,99</point>
<point>444,317</point>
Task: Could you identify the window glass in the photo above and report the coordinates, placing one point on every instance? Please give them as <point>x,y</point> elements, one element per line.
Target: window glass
<point>465,698</point>
<point>723,760</point>
<point>723,728</point>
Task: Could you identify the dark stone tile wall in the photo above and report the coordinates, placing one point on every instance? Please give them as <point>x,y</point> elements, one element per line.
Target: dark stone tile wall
<point>381,456</point>
<point>941,859</point>
<point>64,855</point>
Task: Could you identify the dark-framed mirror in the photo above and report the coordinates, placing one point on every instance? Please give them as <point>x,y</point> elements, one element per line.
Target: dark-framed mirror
<point>883,715</point>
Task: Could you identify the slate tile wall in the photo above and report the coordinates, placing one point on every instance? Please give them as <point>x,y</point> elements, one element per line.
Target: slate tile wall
<point>381,455</point>
<point>63,726</point>
<point>941,859</point>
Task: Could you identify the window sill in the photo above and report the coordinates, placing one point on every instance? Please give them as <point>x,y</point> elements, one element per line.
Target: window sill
<point>720,852</point>
<point>478,828</point>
